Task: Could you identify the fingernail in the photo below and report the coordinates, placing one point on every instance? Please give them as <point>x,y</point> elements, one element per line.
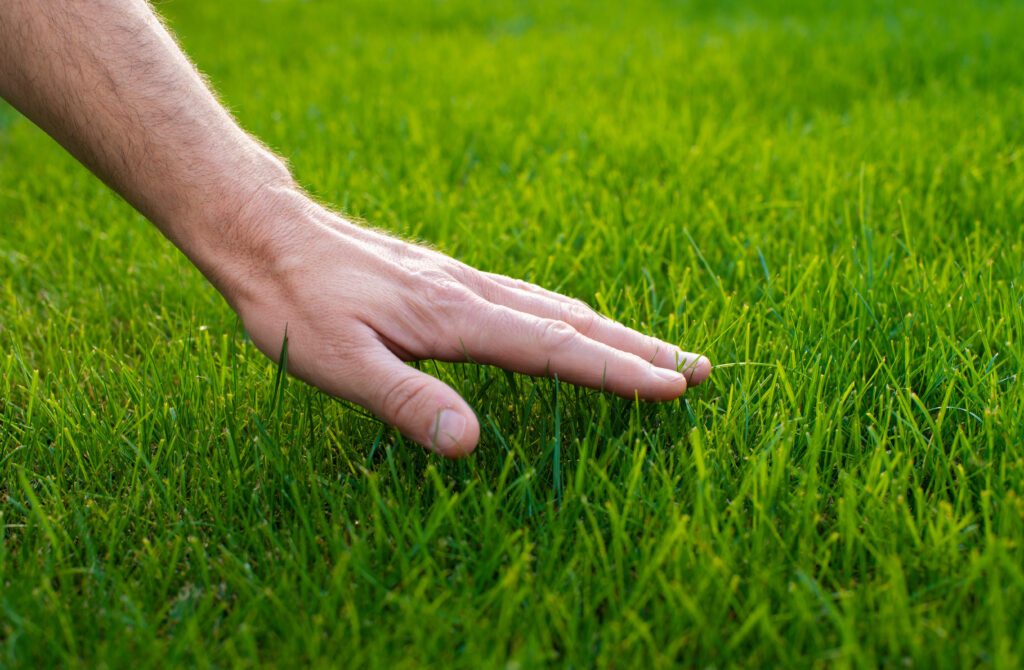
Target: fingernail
<point>667,375</point>
<point>699,371</point>
<point>450,429</point>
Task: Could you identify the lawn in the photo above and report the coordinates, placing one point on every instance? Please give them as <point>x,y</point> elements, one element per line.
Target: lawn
<point>826,199</point>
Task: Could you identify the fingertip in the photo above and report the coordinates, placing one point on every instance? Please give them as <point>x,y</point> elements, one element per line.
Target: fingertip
<point>454,434</point>
<point>423,408</point>
<point>676,381</point>
<point>698,371</point>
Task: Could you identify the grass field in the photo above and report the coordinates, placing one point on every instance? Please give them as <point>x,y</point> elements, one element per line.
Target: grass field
<point>826,199</point>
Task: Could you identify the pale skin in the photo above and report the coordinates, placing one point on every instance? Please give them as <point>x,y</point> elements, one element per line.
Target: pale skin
<point>106,80</point>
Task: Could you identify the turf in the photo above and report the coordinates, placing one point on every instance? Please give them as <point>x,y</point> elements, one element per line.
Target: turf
<point>826,199</point>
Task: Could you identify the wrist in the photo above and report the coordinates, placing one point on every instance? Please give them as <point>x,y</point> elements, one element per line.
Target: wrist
<point>251,235</point>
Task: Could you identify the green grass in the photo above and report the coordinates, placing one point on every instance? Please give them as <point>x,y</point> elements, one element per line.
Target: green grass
<point>826,200</point>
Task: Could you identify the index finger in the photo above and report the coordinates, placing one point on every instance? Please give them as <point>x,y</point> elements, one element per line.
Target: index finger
<point>543,347</point>
<point>547,304</point>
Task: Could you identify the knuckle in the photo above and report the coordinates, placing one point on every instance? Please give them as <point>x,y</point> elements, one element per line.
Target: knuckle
<point>441,291</point>
<point>653,348</point>
<point>475,282</point>
<point>656,347</point>
<point>557,334</point>
<point>462,272</point>
<point>401,398</point>
<point>581,317</point>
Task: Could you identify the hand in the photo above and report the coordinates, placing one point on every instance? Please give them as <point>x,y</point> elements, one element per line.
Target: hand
<point>357,303</point>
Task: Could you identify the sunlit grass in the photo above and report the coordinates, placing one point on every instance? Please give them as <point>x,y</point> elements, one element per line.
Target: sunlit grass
<point>826,201</point>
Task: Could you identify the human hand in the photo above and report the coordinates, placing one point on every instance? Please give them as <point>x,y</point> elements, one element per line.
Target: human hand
<point>357,303</point>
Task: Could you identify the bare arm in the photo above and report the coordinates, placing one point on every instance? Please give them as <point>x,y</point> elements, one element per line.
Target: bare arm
<point>107,81</point>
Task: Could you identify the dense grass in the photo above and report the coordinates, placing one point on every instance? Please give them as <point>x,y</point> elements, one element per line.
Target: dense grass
<point>825,199</point>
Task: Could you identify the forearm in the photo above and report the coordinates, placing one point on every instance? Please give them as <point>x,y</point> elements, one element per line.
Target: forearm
<point>107,81</point>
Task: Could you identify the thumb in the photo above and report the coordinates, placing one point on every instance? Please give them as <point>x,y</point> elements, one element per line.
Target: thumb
<point>422,407</point>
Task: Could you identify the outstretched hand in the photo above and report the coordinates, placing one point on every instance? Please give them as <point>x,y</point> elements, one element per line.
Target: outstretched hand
<point>357,304</point>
